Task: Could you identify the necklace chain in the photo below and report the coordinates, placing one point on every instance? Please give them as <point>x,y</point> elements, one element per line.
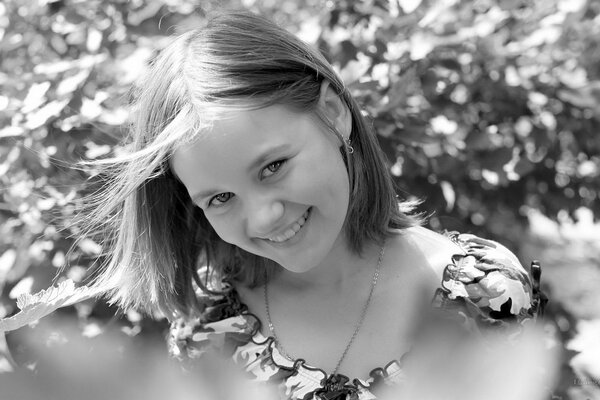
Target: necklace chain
<point>361,319</point>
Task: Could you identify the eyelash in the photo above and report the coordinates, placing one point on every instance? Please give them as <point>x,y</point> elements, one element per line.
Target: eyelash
<point>278,164</point>
<point>221,202</point>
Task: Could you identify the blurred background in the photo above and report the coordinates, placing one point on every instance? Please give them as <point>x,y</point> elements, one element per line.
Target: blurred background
<point>488,110</point>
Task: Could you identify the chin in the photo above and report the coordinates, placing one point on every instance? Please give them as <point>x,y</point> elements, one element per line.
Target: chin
<point>297,268</point>
<point>300,270</point>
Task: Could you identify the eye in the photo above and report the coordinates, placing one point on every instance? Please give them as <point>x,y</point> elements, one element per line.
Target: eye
<point>220,199</point>
<point>272,168</point>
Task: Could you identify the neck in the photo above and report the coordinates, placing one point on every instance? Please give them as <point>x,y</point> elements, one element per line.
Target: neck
<point>337,271</point>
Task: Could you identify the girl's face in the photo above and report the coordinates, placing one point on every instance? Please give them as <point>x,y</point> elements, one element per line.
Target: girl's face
<point>272,182</point>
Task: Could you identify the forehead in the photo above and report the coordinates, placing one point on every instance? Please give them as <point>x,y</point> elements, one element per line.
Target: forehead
<point>234,142</point>
<point>238,129</point>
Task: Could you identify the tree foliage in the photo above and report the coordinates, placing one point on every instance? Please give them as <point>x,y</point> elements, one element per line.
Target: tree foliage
<point>486,109</point>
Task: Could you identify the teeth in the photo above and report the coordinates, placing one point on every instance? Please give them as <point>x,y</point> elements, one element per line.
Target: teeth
<point>290,232</point>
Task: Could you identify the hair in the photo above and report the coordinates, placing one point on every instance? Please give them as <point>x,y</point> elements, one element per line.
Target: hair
<point>155,237</point>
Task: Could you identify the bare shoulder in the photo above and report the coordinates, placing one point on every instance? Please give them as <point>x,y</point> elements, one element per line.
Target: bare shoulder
<point>424,252</point>
<point>432,242</point>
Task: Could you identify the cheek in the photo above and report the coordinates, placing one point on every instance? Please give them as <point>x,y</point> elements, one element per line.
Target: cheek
<point>340,191</point>
<point>226,228</point>
<point>326,171</point>
<point>337,184</point>
<point>333,190</point>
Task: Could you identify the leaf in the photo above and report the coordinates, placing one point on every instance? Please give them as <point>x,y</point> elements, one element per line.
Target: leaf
<point>409,6</point>
<point>435,12</point>
<point>310,30</point>
<point>88,246</point>
<point>131,67</point>
<point>11,131</point>
<point>413,133</point>
<point>36,306</point>
<point>94,40</point>
<point>449,195</point>
<point>95,151</point>
<point>587,344</point>
<point>35,96</point>
<point>523,167</point>
<point>114,117</point>
<point>421,44</point>
<point>347,51</point>
<point>7,260</point>
<point>441,124</point>
<point>24,286</point>
<point>355,69</point>
<point>496,159</point>
<point>90,109</point>
<point>58,67</point>
<point>72,83</point>
<point>579,98</point>
<point>7,364</point>
<point>41,116</point>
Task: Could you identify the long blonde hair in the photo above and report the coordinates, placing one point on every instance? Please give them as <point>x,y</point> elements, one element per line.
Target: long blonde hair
<point>155,237</point>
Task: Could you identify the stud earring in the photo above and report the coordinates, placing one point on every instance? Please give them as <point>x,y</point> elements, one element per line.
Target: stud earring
<point>348,144</point>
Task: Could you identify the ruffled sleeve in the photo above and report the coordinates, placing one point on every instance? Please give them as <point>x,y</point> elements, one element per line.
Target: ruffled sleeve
<point>221,329</point>
<point>487,288</point>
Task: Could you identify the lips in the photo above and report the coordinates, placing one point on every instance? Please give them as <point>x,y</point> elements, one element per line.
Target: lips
<point>292,230</point>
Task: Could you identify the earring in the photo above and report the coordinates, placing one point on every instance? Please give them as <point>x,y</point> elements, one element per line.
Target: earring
<point>348,144</point>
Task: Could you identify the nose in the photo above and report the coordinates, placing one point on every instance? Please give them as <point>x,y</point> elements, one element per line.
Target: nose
<point>263,216</point>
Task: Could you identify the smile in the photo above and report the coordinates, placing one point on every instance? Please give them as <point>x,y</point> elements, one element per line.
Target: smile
<point>292,230</point>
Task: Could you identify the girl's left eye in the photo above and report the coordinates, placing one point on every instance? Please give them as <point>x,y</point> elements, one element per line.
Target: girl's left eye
<point>272,168</point>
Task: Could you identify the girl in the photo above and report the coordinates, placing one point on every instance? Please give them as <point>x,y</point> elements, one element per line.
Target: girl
<point>256,211</point>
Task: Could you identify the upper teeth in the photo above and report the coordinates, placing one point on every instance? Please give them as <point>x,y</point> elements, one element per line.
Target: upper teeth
<point>291,231</point>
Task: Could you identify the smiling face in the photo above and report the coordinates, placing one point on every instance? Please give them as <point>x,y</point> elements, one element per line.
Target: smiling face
<point>272,182</point>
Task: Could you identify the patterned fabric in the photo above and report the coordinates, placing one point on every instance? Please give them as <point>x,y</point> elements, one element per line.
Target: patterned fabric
<point>485,289</point>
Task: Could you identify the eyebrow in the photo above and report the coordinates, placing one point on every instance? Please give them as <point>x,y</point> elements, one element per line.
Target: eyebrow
<point>261,159</point>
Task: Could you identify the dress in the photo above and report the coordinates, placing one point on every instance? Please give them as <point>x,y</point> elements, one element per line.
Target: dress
<point>484,288</point>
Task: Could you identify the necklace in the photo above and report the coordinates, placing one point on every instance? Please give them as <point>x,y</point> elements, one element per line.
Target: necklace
<point>336,385</point>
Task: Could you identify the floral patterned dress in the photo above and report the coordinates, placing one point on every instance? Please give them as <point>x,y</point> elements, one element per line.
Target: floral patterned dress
<point>484,288</point>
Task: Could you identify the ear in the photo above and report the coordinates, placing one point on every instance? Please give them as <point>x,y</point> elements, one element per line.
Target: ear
<point>335,109</point>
